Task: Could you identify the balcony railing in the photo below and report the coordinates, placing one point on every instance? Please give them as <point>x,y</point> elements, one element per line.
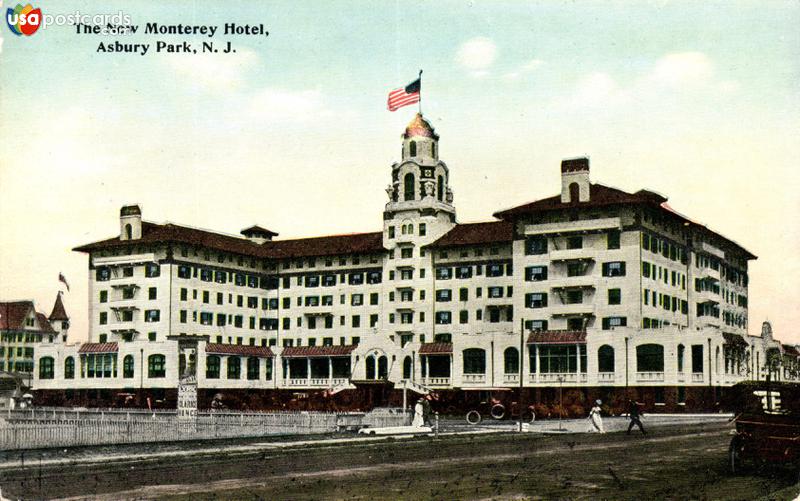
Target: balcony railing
<point>605,377</point>
<point>572,309</point>
<point>648,377</point>
<point>697,377</point>
<point>436,381</point>
<point>474,378</point>
<point>581,281</point>
<point>570,254</point>
<point>556,377</point>
<point>511,378</point>
<point>316,382</point>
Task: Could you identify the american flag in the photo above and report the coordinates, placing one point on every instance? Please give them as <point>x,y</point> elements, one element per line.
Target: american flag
<point>404,96</point>
<point>63,279</point>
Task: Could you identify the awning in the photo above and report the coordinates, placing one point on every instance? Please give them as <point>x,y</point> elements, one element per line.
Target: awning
<point>98,348</point>
<point>436,349</point>
<point>318,351</point>
<point>557,337</point>
<point>790,350</point>
<point>734,340</point>
<point>239,349</point>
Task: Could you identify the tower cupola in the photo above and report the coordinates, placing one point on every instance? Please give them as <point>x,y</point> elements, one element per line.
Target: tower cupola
<point>130,223</point>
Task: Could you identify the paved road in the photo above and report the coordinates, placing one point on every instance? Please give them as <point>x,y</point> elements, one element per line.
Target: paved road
<point>676,462</point>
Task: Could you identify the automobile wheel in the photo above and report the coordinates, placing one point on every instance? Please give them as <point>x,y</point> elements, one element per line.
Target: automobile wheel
<point>498,411</point>
<point>528,416</point>
<point>734,456</point>
<point>474,417</point>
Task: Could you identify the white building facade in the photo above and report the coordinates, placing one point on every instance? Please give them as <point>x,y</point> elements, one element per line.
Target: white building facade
<point>594,289</point>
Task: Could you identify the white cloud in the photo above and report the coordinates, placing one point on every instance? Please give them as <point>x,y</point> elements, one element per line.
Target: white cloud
<point>681,69</point>
<point>282,105</point>
<point>598,89</point>
<point>477,55</point>
<point>524,69</point>
<point>214,71</point>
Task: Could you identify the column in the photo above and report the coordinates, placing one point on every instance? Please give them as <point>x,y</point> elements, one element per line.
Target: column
<point>330,371</point>
<point>308,370</point>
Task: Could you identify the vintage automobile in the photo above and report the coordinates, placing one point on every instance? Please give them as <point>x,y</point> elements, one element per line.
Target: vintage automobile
<point>497,404</point>
<point>767,417</point>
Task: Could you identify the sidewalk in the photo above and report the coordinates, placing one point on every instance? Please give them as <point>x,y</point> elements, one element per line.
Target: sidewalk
<point>620,423</point>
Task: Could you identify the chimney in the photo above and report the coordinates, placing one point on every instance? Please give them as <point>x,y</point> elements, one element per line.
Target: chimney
<point>258,234</point>
<point>130,223</point>
<point>575,180</point>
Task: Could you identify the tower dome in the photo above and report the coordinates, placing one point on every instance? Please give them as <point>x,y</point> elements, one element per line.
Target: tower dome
<point>419,127</point>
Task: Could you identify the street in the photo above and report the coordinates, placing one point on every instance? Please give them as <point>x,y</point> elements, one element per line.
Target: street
<point>675,462</point>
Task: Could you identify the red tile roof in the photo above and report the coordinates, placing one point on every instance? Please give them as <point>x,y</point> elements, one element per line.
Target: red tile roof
<point>59,312</point>
<point>435,348</point>
<point>98,348</point>
<point>557,337</point>
<point>318,351</point>
<point>476,234</point>
<point>13,314</point>
<point>791,350</point>
<point>354,243</point>
<point>44,324</point>
<point>734,339</point>
<point>357,243</point>
<point>239,349</point>
<point>600,196</point>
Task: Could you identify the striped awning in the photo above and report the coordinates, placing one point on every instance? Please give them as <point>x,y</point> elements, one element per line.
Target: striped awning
<point>318,351</point>
<point>239,349</point>
<point>98,348</point>
<point>557,337</point>
<point>436,348</point>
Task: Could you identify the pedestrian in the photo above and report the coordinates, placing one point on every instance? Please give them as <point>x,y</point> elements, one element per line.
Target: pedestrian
<point>635,416</point>
<point>596,418</point>
<point>418,421</point>
<point>426,409</point>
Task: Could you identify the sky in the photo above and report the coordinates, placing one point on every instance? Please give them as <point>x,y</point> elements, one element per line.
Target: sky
<point>698,101</point>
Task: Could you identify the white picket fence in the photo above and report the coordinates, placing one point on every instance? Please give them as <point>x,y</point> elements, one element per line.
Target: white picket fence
<point>44,428</point>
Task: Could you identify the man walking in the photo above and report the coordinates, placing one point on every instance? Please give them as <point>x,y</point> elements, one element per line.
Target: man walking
<point>634,415</point>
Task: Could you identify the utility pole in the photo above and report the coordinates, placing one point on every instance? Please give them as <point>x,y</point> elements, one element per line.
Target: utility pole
<point>521,359</point>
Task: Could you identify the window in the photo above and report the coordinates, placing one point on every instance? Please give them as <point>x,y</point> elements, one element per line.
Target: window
<point>374,277</point>
<point>573,296</point>
<point>103,296</point>
<point>605,358</point>
<point>103,274</point>
<point>614,296</point>
<point>681,356</point>
<point>645,269</point>
<point>406,252</point>
<point>494,292</point>
<point>440,188</point>
<point>152,315</point>
<point>406,274</point>
<point>408,180</point>
<point>46,368</point>
<point>234,367</point>
<point>355,278</point>
<point>156,366</point>
<point>444,273</point>
<point>614,269</point>
<point>613,239</point>
<point>575,269</point>
<point>443,317</point>
<point>650,358</point>
<point>103,318</point>
<point>464,272</point>
<point>69,368</point>
<point>558,358</point>
<point>463,317</point>
<point>535,273</point>
<point>422,229</point>
<point>373,298</point>
<point>152,270</point>
<point>697,358</point>
<point>127,272</point>
<point>443,295</point>
<point>536,300</point>
<point>151,336</point>
<point>494,270</point>
<point>611,322</point>
<point>575,242</point>
<point>253,368</point>
<point>511,360</point>
<point>127,366</point>
<point>356,321</point>
<point>535,245</point>
<point>474,361</point>
<point>212,367</point>
<point>536,325</point>
<point>357,299</point>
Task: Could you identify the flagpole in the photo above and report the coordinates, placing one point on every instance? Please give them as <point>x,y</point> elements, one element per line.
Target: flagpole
<point>420,92</point>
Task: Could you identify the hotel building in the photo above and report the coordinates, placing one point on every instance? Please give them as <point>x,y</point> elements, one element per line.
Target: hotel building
<point>594,289</point>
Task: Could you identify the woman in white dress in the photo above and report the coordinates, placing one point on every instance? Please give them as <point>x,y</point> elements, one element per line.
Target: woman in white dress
<point>596,418</point>
<point>419,418</point>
